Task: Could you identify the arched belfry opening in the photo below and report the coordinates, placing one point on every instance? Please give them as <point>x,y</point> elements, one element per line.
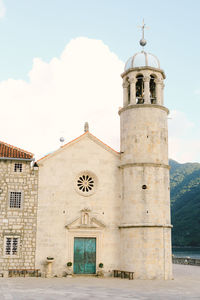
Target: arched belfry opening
<point>152,87</point>
<point>139,89</point>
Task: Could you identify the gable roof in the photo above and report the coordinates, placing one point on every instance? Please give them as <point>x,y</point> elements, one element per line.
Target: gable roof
<point>90,136</point>
<point>8,151</point>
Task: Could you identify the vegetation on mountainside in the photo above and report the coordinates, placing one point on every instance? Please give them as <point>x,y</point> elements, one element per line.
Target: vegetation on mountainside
<point>185,203</point>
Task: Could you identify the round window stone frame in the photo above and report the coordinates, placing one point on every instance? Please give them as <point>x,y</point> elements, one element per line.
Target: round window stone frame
<point>85,193</point>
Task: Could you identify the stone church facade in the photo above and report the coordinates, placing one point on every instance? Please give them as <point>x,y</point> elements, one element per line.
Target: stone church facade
<point>86,204</point>
<point>89,209</point>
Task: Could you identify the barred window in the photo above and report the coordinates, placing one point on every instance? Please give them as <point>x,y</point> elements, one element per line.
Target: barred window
<point>18,167</point>
<point>15,199</point>
<point>11,245</point>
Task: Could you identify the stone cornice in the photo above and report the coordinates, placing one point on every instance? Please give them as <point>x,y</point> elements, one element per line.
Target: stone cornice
<point>156,165</point>
<point>145,225</point>
<point>143,106</point>
<point>20,159</point>
<point>144,68</point>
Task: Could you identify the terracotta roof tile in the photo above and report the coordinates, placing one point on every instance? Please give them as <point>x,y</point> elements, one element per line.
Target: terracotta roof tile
<point>9,151</point>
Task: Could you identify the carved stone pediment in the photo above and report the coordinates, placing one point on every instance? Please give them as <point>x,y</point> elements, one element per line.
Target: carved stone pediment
<point>85,220</point>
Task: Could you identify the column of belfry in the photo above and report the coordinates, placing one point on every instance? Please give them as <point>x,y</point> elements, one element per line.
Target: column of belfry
<point>145,211</point>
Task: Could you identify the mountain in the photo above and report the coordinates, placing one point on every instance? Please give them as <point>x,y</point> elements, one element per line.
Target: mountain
<point>185,203</point>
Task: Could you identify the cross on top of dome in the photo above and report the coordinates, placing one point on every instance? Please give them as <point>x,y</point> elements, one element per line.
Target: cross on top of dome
<point>143,42</point>
<point>142,59</point>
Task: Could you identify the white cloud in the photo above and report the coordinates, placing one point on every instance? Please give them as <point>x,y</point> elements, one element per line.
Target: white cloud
<point>184,150</point>
<point>183,146</point>
<point>2,9</point>
<point>179,125</point>
<point>83,84</point>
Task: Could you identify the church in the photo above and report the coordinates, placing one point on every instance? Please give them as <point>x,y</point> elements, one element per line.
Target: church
<point>86,207</point>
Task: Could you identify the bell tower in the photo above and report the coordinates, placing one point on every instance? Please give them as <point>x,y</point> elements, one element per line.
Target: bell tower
<point>145,208</point>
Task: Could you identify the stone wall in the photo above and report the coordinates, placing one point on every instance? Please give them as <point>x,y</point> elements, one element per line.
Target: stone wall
<point>20,222</point>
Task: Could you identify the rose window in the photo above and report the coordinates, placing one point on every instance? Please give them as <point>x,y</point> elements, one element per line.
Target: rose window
<point>85,183</point>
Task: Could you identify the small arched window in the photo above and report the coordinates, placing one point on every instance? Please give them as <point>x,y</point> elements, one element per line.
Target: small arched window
<point>139,89</point>
<point>152,89</point>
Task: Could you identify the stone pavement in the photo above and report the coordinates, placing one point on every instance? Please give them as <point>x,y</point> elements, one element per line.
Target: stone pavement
<point>186,285</point>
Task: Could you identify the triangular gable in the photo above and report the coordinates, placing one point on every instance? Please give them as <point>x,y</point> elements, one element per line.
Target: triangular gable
<point>86,220</point>
<point>102,144</point>
<point>86,134</point>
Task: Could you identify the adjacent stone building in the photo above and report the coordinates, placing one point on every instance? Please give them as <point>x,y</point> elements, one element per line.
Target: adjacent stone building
<point>18,208</point>
<point>95,206</point>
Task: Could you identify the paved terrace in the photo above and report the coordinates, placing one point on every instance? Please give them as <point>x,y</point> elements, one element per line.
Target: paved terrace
<point>186,285</point>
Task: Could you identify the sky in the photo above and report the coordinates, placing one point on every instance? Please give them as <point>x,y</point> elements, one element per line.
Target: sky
<point>60,66</point>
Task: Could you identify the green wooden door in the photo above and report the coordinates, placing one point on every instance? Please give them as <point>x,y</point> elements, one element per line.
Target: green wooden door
<point>84,255</point>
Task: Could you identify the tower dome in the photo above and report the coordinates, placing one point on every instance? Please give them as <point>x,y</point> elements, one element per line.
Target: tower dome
<point>142,59</point>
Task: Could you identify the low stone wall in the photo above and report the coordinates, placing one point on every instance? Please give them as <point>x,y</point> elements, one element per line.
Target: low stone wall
<point>186,261</point>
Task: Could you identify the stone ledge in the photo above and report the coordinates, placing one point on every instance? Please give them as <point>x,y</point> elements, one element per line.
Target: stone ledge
<point>142,106</point>
<point>145,225</point>
<point>144,68</point>
<point>156,165</point>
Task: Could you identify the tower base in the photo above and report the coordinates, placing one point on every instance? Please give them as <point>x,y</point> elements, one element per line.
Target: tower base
<point>146,251</point>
